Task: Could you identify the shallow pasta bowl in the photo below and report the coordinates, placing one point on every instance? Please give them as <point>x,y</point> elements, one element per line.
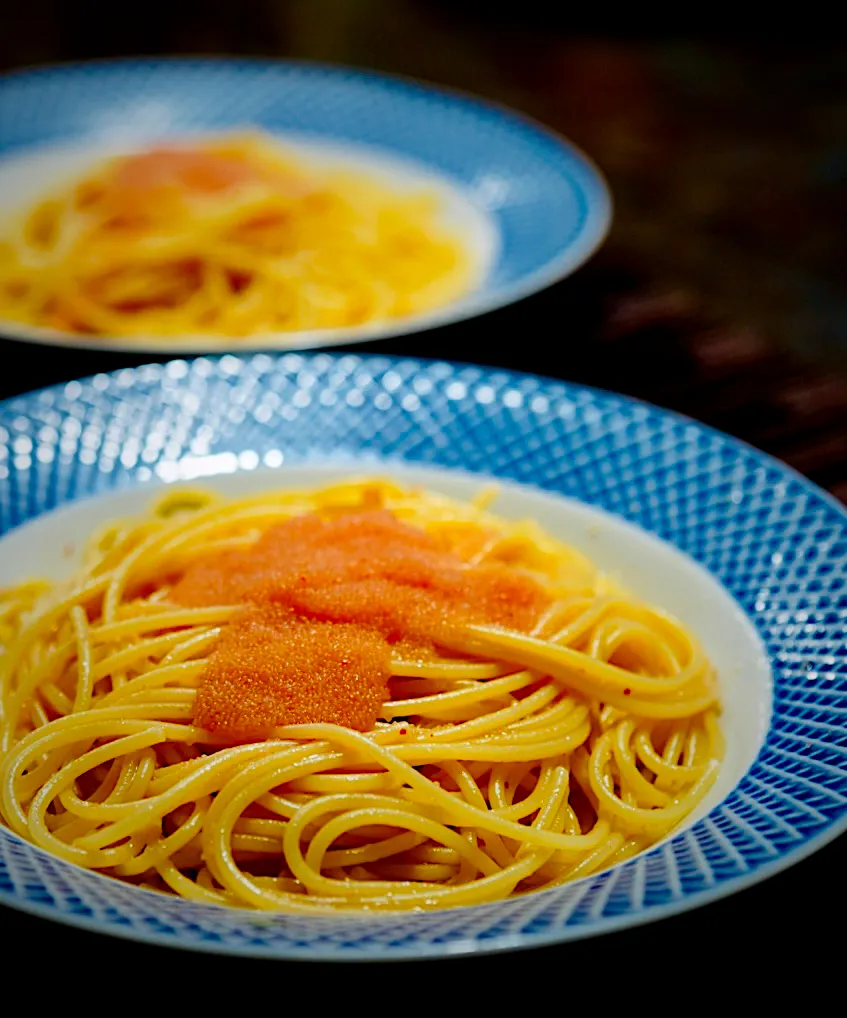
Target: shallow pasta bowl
<point>530,208</point>
<point>746,553</point>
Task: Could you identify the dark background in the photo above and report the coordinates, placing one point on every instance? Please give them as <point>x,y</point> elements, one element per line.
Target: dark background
<point>721,293</point>
<point>723,133</point>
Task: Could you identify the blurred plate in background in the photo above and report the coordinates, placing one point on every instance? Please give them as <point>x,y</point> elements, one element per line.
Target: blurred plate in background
<point>530,207</point>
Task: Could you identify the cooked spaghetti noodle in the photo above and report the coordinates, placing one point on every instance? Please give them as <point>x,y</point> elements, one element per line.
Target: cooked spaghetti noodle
<point>228,238</point>
<point>361,697</point>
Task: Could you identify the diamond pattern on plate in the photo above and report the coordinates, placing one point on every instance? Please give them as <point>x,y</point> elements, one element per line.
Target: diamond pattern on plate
<point>777,544</point>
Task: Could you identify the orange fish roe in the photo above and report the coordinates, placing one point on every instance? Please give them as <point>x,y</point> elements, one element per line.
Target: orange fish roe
<point>363,572</point>
<point>270,669</point>
<point>420,614</point>
<point>141,185</point>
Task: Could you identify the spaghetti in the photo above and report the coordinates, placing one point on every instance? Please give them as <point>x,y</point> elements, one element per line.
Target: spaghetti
<point>228,238</point>
<point>361,697</point>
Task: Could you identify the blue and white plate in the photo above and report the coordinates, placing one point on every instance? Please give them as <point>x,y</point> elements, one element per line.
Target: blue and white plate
<point>750,555</point>
<point>530,206</point>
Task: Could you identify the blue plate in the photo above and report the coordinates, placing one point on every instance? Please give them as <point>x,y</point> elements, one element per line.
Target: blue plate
<point>776,543</point>
<point>536,206</point>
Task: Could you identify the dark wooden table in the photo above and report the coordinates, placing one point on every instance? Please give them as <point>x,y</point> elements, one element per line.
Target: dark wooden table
<point>717,295</point>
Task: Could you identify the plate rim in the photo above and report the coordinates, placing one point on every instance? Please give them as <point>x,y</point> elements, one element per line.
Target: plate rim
<point>591,236</point>
<point>467,945</point>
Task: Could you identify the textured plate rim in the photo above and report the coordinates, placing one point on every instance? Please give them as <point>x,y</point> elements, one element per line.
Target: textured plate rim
<point>467,946</point>
<point>477,302</point>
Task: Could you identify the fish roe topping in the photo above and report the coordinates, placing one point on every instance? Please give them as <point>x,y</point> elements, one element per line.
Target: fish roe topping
<point>360,574</point>
<point>269,669</point>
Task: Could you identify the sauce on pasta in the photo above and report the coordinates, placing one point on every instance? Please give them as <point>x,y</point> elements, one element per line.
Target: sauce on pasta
<point>364,697</point>
<point>227,237</point>
<point>270,668</point>
<point>369,582</point>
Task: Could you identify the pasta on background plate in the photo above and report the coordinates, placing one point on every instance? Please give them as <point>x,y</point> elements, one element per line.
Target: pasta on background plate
<point>359,697</point>
<point>226,237</point>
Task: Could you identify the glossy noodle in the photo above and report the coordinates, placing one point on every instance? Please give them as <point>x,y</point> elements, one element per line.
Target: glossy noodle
<point>359,697</point>
<point>229,237</point>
